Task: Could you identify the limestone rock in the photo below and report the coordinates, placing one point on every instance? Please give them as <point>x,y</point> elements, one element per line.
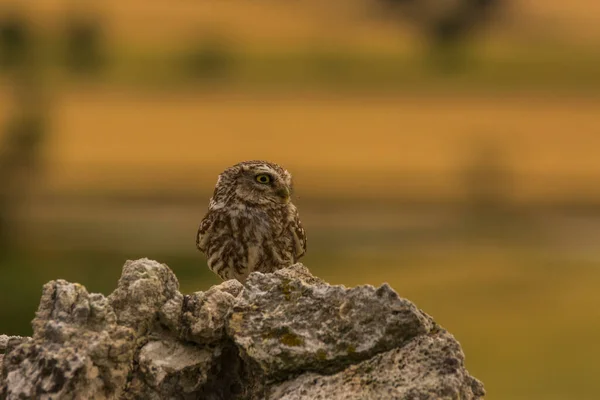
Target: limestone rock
<point>77,350</point>
<point>145,286</point>
<point>7,343</point>
<point>428,367</point>
<point>201,316</point>
<point>285,335</point>
<point>287,323</point>
<point>204,314</point>
<point>170,366</point>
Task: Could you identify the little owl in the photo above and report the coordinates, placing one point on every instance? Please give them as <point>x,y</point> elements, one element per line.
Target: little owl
<point>251,224</point>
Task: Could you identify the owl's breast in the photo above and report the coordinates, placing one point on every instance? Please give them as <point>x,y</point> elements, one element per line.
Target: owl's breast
<point>243,240</point>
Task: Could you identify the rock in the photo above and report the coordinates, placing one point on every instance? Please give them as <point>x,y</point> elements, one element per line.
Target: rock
<point>170,366</point>
<point>77,350</point>
<point>205,314</point>
<point>144,288</point>
<point>201,316</point>
<point>7,342</point>
<point>174,370</point>
<point>286,323</point>
<point>428,367</point>
<point>285,335</point>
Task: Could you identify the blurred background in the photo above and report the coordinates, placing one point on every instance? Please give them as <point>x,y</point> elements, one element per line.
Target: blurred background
<point>450,148</point>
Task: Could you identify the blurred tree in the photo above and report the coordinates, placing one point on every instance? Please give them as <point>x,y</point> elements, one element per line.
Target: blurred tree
<point>210,58</point>
<point>20,142</point>
<point>331,64</point>
<point>446,24</point>
<point>84,52</point>
<point>487,183</point>
<point>15,40</point>
<point>18,161</point>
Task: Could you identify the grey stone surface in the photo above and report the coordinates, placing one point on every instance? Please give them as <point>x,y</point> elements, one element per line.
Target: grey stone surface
<point>77,350</point>
<point>144,288</point>
<point>7,343</point>
<point>170,366</point>
<point>289,321</point>
<point>201,316</point>
<point>285,335</point>
<point>427,367</point>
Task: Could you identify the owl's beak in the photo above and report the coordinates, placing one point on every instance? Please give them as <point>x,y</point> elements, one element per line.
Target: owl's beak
<point>284,193</point>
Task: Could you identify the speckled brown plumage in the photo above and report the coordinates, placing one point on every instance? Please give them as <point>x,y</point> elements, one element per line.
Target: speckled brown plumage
<point>251,224</point>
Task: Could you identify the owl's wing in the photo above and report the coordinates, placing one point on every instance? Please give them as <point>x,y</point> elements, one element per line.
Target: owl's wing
<point>299,237</point>
<point>202,234</point>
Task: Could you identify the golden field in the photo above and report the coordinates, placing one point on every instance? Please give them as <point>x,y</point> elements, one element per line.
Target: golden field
<point>279,23</point>
<point>140,140</point>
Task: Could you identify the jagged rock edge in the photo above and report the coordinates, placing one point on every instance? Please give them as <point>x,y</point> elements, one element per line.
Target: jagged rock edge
<point>142,338</point>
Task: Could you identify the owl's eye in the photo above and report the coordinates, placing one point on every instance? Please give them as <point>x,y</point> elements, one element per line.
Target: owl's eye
<point>263,178</point>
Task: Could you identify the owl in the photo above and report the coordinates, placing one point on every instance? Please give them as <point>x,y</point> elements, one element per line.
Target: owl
<point>251,223</point>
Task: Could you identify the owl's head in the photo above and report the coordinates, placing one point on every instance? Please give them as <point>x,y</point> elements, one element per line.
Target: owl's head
<point>255,182</point>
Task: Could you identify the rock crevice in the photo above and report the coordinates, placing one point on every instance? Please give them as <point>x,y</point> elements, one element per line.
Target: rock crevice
<point>284,335</point>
